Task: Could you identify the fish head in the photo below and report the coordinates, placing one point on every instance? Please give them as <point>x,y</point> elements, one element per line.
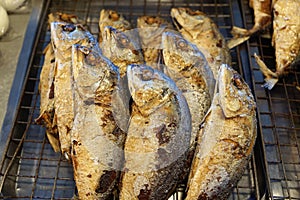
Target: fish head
<point>114,19</point>
<point>63,17</point>
<point>92,71</point>
<point>148,87</point>
<point>183,58</point>
<point>185,18</point>
<point>121,46</point>
<point>64,35</point>
<point>235,95</point>
<point>179,53</point>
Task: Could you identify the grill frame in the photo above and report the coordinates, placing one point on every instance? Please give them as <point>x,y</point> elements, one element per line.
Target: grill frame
<point>25,142</point>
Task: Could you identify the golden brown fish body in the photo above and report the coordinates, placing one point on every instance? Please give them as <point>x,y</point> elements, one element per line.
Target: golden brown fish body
<point>114,19</point>
<point>226,139</point>
<point>285,39</point>
<point>63,36</point>
<point>187,66</point>
<point>198,28</point>
<point>46,86</point>
<point>150,31</point>
<point>46,89</point>
<point>158,136</point>
<point>262,19</point>
<point>97,142</point>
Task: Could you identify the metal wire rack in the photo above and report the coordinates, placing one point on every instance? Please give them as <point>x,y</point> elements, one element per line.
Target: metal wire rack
<point>31,170</point>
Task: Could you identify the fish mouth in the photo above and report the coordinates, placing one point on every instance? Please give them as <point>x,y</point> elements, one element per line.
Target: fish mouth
<point>176,23</point>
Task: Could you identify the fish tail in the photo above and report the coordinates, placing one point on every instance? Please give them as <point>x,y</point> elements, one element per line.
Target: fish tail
<point>240,35</point>
<point>271,77</point>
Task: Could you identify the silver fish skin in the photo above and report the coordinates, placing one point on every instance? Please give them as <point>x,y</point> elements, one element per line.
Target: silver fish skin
<point>226,139</point>
<point>97,141</point>
<point>63,36</point>
<point>187,66</point>
<point>150,30</point>
<point>198,28</point>
<point>158,137</point>
<point>114,19</point>
<point>285,40</point>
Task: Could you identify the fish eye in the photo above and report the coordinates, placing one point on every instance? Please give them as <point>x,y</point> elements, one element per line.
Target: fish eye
<point>147,74</point>
<point>237,81</point>
<point>181,43</point>
<point>91,59</point>
<point>123,41</point>
<point>84,50</point>
<point>69,27</point>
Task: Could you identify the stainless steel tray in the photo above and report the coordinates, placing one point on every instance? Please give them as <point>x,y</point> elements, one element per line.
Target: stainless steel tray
<point>29,169</point>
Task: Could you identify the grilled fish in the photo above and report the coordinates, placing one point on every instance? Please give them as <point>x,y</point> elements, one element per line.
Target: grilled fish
<point>114,19</point>
<point>285,40</point>
<point>187,66</point>
<point>226,139</point>
<point>121,48</point>
<point>63,36</point>
<point>46,86</point>
<point>158,137</point>
<point>198,28</point>
<point>262,19</point>
<point>97,142</point>
<point>150,31</point>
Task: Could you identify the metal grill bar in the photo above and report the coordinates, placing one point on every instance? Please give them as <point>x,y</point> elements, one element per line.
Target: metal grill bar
<point>35,171</point>
<point>279,116</point>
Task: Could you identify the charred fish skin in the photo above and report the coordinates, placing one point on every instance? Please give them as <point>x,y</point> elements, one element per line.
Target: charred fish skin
<point>187,66</point>
<point>150,30</point>
<point>198,28</point>
<point>63,36</point>
<point>97,142</point>
<point>114,19</point>
<point>158,136</point>
<point>226,140</point>
<point>262,19</point>
<point>46,85</point>
<point>46,90</point>
<point>285,40</point>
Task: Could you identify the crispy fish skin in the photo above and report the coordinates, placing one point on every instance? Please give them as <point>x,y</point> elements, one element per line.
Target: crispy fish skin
<point>158,136</point>
<point>150,31</point>
<point>97,142</point>
<point>226,139</point>
<point>46,89</point>
<point>187,66</point>
<point>114,19</point>
<point>262,19</point>
<point>122,49</point>
<point>63,36</point>
<point>198,28</point>
<point>285,40</point>
<point>46,86</point>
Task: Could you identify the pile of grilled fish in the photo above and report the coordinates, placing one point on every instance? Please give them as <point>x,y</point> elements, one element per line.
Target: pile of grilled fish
<point>138,115</point>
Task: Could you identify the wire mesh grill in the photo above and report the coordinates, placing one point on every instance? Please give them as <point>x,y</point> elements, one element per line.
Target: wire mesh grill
<point>278,111</point>
<point>36,172</point>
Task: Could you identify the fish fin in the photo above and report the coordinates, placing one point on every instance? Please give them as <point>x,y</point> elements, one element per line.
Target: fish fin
<point>235,41</point>
<point>271,77</point>
<point>238,32</point>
